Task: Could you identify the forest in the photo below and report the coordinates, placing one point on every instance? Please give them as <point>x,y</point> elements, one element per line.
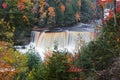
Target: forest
<point>97,60</point>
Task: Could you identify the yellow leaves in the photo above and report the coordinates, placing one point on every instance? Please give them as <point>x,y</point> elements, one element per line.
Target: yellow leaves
<point>22,1</point>
<point>41,10</point>
<point>25,19</point>
<point>79,3</point>
<point>4,24</point>
<point>93,6</point>
<point>27,1</point>
<point>42,4</point>
<point>43,15</point>
<point>6,30</point>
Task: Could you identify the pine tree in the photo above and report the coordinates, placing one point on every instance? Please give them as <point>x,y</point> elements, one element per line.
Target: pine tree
<point>86,11</point>
<point>69,13</point>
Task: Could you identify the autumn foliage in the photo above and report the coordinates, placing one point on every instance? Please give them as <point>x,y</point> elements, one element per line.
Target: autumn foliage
<point>6,71</point>
<point>62,8</point>
<point>11,62</point>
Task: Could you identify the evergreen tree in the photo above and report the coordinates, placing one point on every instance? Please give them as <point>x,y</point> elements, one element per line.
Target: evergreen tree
<point>86,11</point>
<point>58,70</point>
<point>69,13</point>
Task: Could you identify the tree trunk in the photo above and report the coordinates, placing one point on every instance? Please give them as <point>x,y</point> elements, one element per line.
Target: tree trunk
<point>115,15</point>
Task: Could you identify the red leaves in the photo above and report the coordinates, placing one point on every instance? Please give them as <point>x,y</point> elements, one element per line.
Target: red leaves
<point>4,5</point>
<point>102,2</point>
<point>118,6</point>
<point>73,68</point>
<point>105,1</point>
<point>109,1</point>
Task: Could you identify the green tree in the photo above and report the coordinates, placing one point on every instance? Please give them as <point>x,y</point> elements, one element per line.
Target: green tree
<point>59,14</point>
<point>19,15</point>
<point>65,12</point>
<point>58,70</point>
<point>99,54</point>
<point>69,13</point>
<point>86,11</point>
<point>54,69</point>
<point>33,59</point>
<point>40,73</point>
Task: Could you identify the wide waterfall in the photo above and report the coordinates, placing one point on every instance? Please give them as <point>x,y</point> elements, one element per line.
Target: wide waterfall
<point>65,40</point>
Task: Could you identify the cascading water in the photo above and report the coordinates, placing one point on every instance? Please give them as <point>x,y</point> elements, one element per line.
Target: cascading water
<point>66,40</point>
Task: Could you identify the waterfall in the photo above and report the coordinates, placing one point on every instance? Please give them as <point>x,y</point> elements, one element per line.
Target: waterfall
<point>66,40</point>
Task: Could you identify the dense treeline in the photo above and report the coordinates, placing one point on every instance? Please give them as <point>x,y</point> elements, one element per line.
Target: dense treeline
<point>63,12</point>
<point>23,15</point>
<point>93,62</point>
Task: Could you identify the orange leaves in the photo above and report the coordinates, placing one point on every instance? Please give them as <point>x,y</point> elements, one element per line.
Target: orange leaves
<point>21,5</point>
<point>73,68</point>
<point>77,16</point>
<point>103,2</point>
<point>6,71</point>
<point>4,67</point>
<point>69,58</point>
<point>62,8</point>
<point>3,44</point>
<point>48,54</point>
<point>51,11</point>
<point>22,0</point>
